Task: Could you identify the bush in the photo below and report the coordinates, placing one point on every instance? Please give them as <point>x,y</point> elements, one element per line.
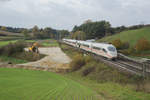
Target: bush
<point>28,56</point>
<point>142,45</point>
<point>117,43</point>
<point>10,49</point>
<point>88,59</point>
<point>128,51</point>
<point>88,68</point>
<point>125,45</point>
<point>77,62</point>
<point>120,45</point>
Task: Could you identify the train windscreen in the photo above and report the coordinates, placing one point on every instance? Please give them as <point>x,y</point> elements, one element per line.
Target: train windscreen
<point>112,49</point>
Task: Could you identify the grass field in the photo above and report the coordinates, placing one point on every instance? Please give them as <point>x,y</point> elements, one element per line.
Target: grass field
<point>45,42</point>
<point>19,84</point>
<point>131,36</point>
<point>12,60</point>
<point>3,43</point>
<point>49,43</point>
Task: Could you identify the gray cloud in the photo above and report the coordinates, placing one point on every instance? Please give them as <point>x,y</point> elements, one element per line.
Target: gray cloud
<point>4,0</point>
<point>64,14</point>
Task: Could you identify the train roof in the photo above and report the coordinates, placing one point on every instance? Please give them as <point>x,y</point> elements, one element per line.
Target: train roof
<point>104,45</point>
<point>84,42</point>
<point>95,44</point>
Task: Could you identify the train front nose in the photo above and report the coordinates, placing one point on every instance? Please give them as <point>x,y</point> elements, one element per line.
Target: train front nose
<point>113,54</point>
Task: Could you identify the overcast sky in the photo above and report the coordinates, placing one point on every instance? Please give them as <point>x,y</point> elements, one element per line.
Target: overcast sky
<point>64,14</point>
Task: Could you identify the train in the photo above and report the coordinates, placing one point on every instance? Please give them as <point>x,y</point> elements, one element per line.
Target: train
<point>103,49</point>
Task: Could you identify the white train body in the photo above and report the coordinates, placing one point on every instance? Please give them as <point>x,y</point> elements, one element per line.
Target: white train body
<point>102,49</point>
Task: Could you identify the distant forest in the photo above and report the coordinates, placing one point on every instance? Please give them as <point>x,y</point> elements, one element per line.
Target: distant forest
<point>37,33</point>
<point>87,30</point>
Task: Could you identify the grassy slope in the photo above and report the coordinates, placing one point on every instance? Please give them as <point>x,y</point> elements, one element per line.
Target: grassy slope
<point>130,36</point>
<point>19,84</point>
<point>110,90</point>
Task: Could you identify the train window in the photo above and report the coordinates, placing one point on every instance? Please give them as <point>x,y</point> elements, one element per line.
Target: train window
<point>104,50</point>
<point>96,48</point>
<point>111,49</point>
<point>85,45</point>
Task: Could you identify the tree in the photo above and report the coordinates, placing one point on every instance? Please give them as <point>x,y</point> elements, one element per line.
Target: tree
<point>142,45</point>
<point>94,29</point>
<point>35,29</point>
<point>107,27</point>
<point>63,33</point>
<point>117,43</point>
<point>88,21</point>
<point>79,35</point>
<point>36,32</point>
<point>3,28</point>
<point>25,33</point>
<point>47,32</point>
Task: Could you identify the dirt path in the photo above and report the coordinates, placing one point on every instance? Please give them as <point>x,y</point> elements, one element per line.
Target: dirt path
<point>55,59</point>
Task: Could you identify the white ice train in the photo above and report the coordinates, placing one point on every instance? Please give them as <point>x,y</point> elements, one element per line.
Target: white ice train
<point>102,49</point>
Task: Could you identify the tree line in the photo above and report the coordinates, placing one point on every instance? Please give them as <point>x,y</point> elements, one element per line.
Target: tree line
<point>99,29</point>
<point>38,33</point>
<point>87,30</point>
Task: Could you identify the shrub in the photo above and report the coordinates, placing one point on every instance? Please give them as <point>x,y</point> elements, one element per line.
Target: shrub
<point>87,71</point>
<point>88,59</point>
<point>128,51</point>
<point>117,43</point>
<point>120,45</point>
<point>88,68</point>
<point>10,49</point>
<point>125,45</point>
<point>142,45</point>
<point>28,56</point>
<point>77,62</point>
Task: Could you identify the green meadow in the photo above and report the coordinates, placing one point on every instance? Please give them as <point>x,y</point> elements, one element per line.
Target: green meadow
<point>20,84</point>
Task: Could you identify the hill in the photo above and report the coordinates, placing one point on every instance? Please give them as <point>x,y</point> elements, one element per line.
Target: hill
<point>20,84</point>
<point>131,36</point>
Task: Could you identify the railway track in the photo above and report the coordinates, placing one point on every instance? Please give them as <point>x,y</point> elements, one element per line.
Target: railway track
<point>123,66</point>
<point>129,67</point>
<point>122,63</point>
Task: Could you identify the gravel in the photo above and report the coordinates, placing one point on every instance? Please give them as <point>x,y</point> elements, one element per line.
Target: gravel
<point>55,58</point>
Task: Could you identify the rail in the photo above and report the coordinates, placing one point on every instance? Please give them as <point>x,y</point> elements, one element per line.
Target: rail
<point>123,63</point>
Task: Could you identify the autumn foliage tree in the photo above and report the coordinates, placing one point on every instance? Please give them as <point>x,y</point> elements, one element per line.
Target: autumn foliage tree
<point>3,28</point>
<point>79,35</point>
<point>142,45</point>
<point>117,43</point>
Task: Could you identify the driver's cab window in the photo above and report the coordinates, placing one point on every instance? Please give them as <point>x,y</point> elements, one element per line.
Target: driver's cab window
<point>104,50</point>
